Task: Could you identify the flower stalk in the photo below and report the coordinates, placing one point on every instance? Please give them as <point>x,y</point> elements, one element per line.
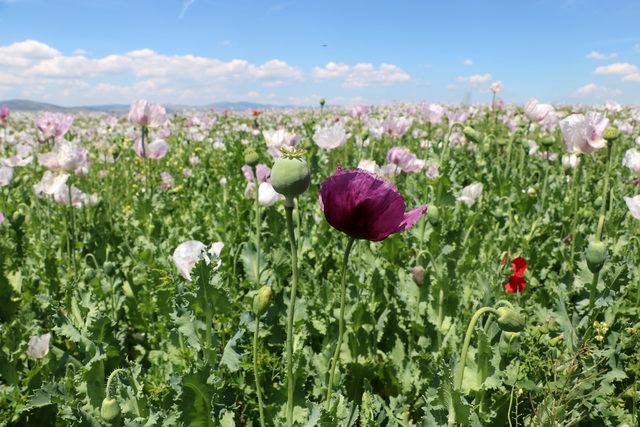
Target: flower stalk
<point>343,292</point>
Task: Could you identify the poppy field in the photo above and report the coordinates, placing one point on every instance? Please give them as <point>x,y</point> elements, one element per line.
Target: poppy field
<point>391,265</point>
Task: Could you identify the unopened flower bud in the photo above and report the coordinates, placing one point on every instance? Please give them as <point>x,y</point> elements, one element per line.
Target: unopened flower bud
<point>322,102</point>
<point>251,157</point>
<point>596,254</point>
<point>109,268</point>
<point>109,409</point>
<point>547,141</point>
<point>433,215</point>
<point>510,320</point>
<point>611,133</point>
<point>262,300</point>
<point>472,135</point>
<point>418,275</point>
<point>290,176</point>
<point>532,192</point>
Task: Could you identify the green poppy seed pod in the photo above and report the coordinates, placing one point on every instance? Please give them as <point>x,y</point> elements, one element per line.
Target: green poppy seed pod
<point>290,176</point>
<point>472,135</point>
<point>611,133</point>
<point>508,344</point>
<point>596,254</point>
<point>547,141</point>
<point>532,192</point>
<point>262,300</point>
<point>510,320</point>
<point>418,275</point>
<point>433,215</point>
<point>322,102</point>
<point>598,202</point>
<point>251,157</point>
<point>109,409</point>
<point>109,268</point>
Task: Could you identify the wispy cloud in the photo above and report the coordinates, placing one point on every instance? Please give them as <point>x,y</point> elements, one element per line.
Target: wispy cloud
<point>467,62</point>
<point>594,54</point>
<point>186,4</point>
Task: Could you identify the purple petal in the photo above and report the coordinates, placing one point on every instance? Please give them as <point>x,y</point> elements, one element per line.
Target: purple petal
<point>411,217</point>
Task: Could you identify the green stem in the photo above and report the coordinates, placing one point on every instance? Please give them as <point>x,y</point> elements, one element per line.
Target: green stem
<point>255,371</point>
<point>576,191</point>
<point>257,219</point>
<point>592,292</point>
<point>605,194</point>
<point>289,204</point>
<point>465,346</point>
<point>343,293</point>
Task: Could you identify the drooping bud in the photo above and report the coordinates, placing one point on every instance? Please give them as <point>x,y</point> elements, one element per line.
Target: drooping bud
<point>472,135</point>
<point>611,133</point>
<point>510,320</point>
<point>262,300</point>
<point>290,176</point>
<point>251,157</point>
<point>596,254</point>
<point>418,275</point>
<point>109,409</point>
<point>433,215</point>
<point>109,268</point>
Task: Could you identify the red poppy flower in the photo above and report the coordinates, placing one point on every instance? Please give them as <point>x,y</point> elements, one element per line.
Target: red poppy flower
<point>516,281</point>
<point>256,113</point>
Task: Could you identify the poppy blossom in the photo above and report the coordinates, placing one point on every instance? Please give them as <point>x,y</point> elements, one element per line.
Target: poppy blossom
<point>364,206</point>
<point>516,281</point>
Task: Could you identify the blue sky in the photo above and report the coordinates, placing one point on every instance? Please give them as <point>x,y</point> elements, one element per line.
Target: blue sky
<point>172,51</point>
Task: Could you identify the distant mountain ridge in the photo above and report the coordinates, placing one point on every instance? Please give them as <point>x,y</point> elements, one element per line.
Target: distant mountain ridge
<point>34,106</point>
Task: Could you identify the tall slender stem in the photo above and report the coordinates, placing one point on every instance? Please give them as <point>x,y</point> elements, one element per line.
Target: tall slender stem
<point>289,204</point>
<point>576,191</point>
<point>257,225</point>
<point>605,193</point>
<point>255,370</point>
<point>343,294</point>
<point>465,346</point>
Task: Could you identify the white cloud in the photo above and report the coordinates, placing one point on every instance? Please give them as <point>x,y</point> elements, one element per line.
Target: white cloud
<point>594,54</point>
<point>363,74</point>
<point>633,77</point>
<point>594,89</point>
<point>474,79</point>
<point>32,69</point>
<point>467,62</point>
<point>622,68</point>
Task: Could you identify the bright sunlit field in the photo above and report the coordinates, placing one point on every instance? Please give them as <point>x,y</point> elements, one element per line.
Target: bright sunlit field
<point>178,253</point>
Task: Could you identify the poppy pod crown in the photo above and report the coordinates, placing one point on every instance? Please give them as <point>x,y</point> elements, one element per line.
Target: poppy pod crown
<point>365,206</point>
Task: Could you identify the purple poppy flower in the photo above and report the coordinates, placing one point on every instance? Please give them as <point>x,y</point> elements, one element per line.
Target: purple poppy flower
<point>364,206</point>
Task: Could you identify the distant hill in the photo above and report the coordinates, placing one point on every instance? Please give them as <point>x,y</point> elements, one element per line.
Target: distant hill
<point>32,106</point>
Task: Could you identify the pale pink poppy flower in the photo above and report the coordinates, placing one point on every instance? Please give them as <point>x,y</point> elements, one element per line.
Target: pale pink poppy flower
<point>405,160</point>
<point>65,157</point>
<point>279,138</point>
<point>194,160</point>
<point>633,203</point>
<point>167,181</point>
<point>1,218</point>
<point>389,170</point>
<point>470,194</point>
<point>6,174</point>
<point>458,116</point>
<point>433,171</point>
<point>584,133</point>
<point>53,125</point>
<point>78,198</point>
<point>359,111</point>
<point>537,112</point>
<point>375,128</point>
<point>262,171</point>
<point>148,114</point>
<point>187,172</point>
<point>267,196</point>
<point>369,166</point>
<point>433,113</point>
<point>155,151</point>
<point>570,161</point>
<point>496,87</point>
<point>51,183</point>
<point>632,161</point>
<point>38,346</point>
<point>397,126</point>
<point>4,114</point>
<point>330,137</point>
<point>498,104</point>
<point>187,254</point>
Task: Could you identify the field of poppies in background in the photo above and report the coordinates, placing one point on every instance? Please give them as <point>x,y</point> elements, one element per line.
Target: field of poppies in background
<point>397,265</point>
